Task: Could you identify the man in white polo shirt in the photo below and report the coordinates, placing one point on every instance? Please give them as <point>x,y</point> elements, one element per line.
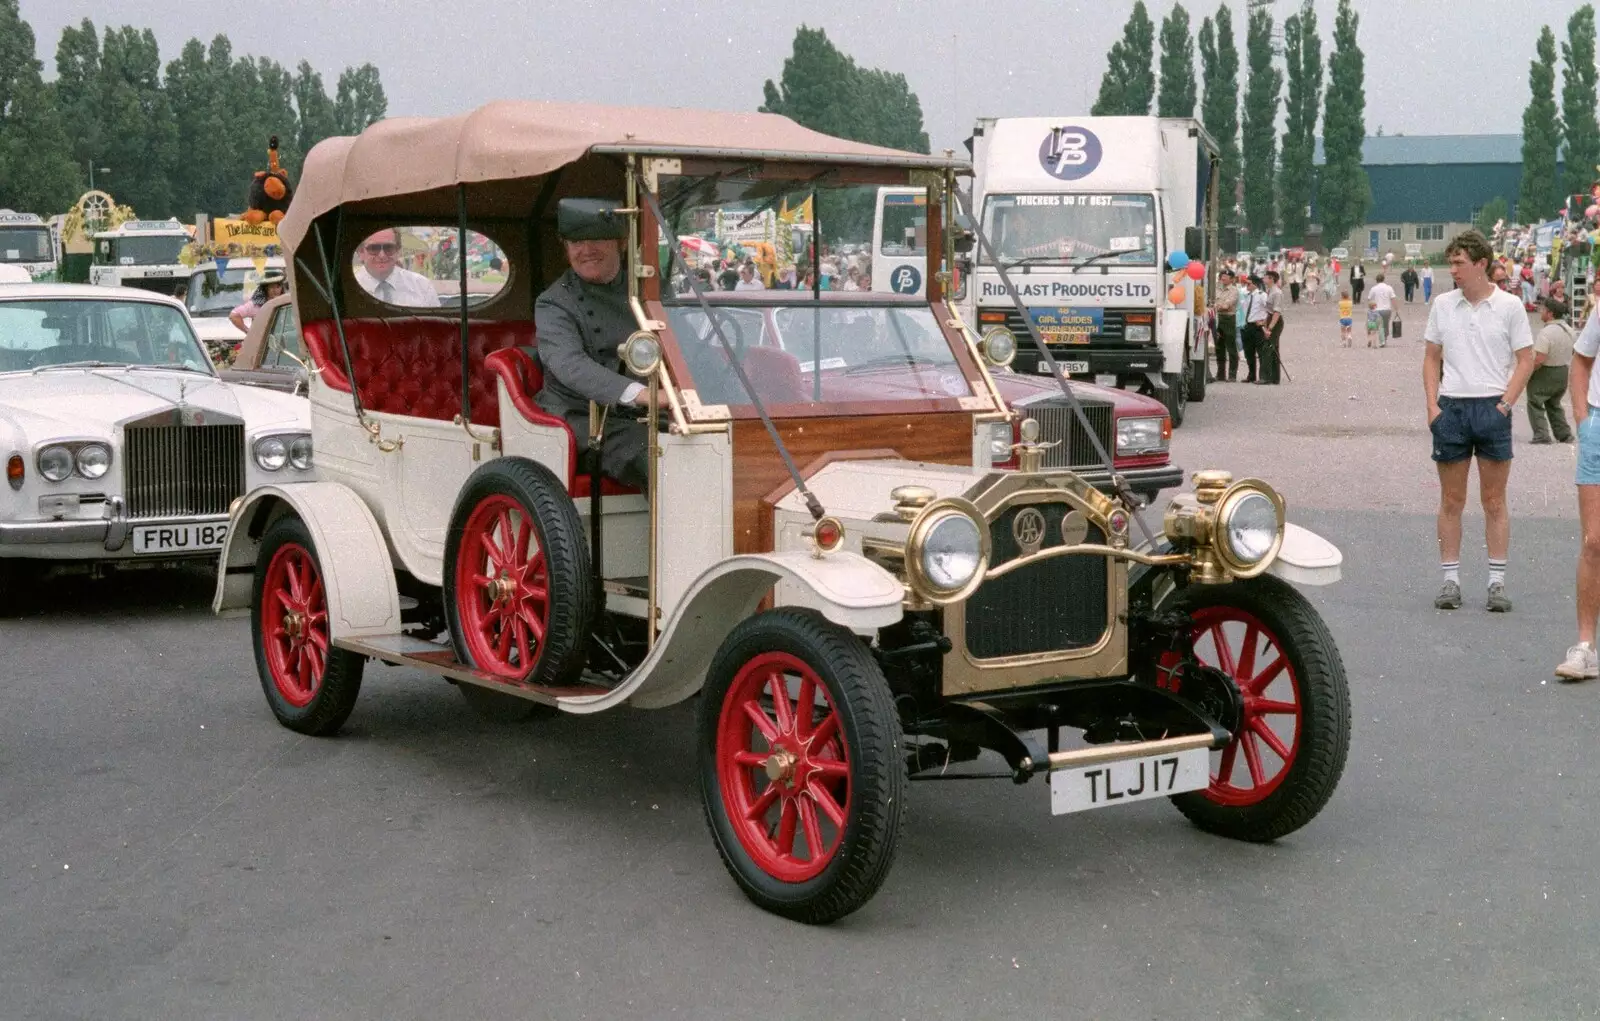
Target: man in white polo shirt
<point>1478,357</point>
<point>1581,664</point>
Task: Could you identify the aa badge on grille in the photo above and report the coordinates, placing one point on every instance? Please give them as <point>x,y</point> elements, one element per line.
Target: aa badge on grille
<point>1028,529</point>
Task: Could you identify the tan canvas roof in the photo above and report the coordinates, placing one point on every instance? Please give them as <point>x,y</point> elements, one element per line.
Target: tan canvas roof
<point>518,139</point>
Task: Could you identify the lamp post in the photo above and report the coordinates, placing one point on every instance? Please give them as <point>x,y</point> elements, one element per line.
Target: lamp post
<point>103,170</point>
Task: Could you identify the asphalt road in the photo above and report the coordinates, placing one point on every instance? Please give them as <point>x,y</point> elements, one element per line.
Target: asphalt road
<point>168,851</point>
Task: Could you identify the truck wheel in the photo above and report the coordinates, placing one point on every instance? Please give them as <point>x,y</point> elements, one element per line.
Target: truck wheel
<point>801,772</point>
<point>310,685</point>
<point>1176,395</point>
<point>1197,378</point>
<point>517,588</point>
<point>1294,733</point>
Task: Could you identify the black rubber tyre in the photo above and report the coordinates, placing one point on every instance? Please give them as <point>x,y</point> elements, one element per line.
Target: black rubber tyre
<point>1323,695</point>
<point>1197,376</point>
<point>498,707</point>
<point>868,737</point>
<point>1176,395</point>
<point>319,701</point>
<point>19,579</point>
<point>559,568</point>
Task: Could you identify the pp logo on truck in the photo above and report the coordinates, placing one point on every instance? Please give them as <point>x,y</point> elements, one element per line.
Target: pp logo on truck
<point>1069,153</point>
<point>905,280</point>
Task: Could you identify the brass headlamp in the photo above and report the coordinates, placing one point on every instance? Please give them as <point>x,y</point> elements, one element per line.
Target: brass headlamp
<point>1234,529</point>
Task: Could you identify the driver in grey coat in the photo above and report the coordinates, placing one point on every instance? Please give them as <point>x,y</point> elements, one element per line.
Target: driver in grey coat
<point>580,319</point>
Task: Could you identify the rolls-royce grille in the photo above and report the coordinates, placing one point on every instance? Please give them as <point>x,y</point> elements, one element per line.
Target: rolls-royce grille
<point>181,471</point>
<point>1054,605</point>
<point>1057,422</point>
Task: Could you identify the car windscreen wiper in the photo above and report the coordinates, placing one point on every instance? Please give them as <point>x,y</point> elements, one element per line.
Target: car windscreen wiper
<point>79,365</point>
<point>1031,260</point>
<point>889,360</point>
<point>1096,256</point>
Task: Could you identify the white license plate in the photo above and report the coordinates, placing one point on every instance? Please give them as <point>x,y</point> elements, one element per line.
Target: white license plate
<point>1106,379</point>
<point>1066,367</point>
<point>177,539</point>
<point>1117,783</point>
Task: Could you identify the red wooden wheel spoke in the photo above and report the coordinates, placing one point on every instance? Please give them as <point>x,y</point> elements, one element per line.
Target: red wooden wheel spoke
<point>804,707</point>
<point>1229,756</point>
<point>782,711</point>
<point>318,641</point>
<point>534,624</point>
<point>813,830</point>
<point>482,581</point>
<point>758,807</point>
<point>786,828</point>
<point>832,768</point>
<point>1252,757</point>
<point>755,760</point>
<point>502,645</point>
<point>1224,653</point>
<point>1247,653</point>
<point>1272,740</point>
<point>1271,706</point>
<point>520,626</point>
<point>276,631</point>
<point>1259,683</point>
<point>524,533</point>
<point>830,807</point>
<point>536,593</point>
<point>758,717</point>
<point>825,731</point>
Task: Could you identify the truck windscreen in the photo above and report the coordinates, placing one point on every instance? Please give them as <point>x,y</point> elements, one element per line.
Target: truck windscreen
<point>156,250</point>
<point>1066,229</point>
<point>26,244</point>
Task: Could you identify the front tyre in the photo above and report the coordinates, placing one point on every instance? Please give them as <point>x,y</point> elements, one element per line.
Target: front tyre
<point>801,772</point>
<point>1176,395</point>
<point>310,685</point>
<point>1294,734</point>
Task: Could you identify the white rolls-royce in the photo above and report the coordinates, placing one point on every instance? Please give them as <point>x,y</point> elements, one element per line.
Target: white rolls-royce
<point>120,441</point>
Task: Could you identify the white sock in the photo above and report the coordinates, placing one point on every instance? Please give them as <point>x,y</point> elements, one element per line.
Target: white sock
<point>1452,570</point>
<point>1497,572</point>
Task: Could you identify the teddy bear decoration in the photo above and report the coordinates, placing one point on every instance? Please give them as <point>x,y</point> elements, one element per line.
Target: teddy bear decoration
<point>270,190</point>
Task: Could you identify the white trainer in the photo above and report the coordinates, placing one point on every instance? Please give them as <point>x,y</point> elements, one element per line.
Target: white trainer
<point>1581,664</point>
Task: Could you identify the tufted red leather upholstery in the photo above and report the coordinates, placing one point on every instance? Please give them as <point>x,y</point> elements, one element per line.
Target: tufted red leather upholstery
<point>411,365</point>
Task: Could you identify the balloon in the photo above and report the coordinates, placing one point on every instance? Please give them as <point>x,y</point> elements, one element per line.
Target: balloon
<point>1176,295</point>
<point>1196,270</point>
<point>1177,260</point>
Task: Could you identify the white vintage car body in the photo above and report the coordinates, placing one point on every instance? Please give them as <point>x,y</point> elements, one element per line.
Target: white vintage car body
<point>180,442</point>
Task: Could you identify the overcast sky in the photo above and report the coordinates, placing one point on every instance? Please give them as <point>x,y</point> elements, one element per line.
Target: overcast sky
<point>1433,66</point>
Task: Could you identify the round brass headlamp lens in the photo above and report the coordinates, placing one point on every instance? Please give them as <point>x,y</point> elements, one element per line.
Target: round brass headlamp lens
<point>641,353</point>
<point>1248,530</point>
<point>947,551</point>
<point>998,346</point>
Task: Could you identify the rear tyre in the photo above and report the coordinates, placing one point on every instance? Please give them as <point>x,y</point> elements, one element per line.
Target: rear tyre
<point>801,772</point>
<point>310,686</point>
<point>1294,736</point>
<point>518,593</point>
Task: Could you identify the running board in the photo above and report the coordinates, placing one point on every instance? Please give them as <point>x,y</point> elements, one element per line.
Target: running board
<point>404,650</point>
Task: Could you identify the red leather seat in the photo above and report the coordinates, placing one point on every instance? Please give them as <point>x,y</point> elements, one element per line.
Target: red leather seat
<point>774,374</point>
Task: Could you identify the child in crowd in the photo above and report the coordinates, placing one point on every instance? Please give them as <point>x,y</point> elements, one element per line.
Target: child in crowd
<point>1345,312</point>
<point>1373,325</point>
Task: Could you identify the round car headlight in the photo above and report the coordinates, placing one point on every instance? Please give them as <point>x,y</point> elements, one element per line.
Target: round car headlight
<point>272,453</point>
<point>999,346</point>
<point>1249,530</point>
<point>300,453</point>
<point>55,463</point>
<point>947,551</point>
<point>94,459</point>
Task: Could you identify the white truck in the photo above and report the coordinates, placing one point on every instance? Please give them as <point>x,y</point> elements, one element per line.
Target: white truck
<point>28,244</point>
<point>142,254</point>
<point>1084,213</point>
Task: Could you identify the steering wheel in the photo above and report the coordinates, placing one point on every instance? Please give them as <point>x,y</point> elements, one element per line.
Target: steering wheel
<point>732,329</point>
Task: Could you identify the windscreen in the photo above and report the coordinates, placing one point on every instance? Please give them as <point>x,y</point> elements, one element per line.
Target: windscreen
<point>26,244</point>
<point>56,332</point>
<point>1119,229</point>
<point>144,251</point>
<point>214,292</point>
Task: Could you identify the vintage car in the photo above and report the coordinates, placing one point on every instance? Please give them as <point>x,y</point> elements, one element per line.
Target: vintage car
<point>840,571</point>
<point>272,355</point>
<point>121,443</point>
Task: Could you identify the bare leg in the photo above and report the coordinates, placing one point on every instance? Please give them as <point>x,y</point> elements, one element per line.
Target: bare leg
<point>1452,500</point>
<point>1589,562</point>
<point>1492,476</point>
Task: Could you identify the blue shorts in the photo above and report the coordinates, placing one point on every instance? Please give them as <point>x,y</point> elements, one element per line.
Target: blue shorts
<point>1345,321</point>
<point>1469,426</point>
<point>1589,449</point>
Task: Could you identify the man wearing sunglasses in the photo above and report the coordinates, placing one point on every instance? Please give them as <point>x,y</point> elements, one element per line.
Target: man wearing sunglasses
<point>381,275</point>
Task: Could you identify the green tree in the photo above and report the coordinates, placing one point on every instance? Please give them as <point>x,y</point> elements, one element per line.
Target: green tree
<point>359,100</point>
<point>315,109</point>
<point>1302,50</point>
<point>1129,83</point>
<point>823,89</point>
<point>140,138</point>
<point>37,170</point>
<point>1177,95</point>
<point>1219,109</point>
<point>77,89</point>
<point>1492,212</point>
<point>1260,117</point>
<point>1578,100</point>
<point>1343,193</point>
<point>1540,193</point>
<point>197,93</point>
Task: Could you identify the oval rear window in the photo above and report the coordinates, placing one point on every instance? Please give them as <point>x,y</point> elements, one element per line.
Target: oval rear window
<point>420,267</point>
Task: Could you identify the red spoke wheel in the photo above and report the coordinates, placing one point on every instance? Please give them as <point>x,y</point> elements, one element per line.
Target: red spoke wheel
<point>310,685</point>
<point>800,765</point>
<point>1293,735</point>
<point>518,590</point>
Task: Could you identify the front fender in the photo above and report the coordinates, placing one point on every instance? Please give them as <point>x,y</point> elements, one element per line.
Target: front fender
<point>1306,558</point>
<point>357,573</point>
<point>846,588</point>
<point>1174,333</point>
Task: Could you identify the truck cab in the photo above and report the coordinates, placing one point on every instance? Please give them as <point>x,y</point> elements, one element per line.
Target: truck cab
<point>142,254</point>
<point>28,243</point>
<point>1090,217</point>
